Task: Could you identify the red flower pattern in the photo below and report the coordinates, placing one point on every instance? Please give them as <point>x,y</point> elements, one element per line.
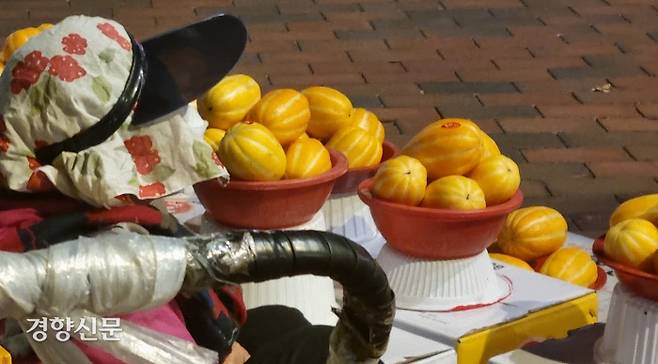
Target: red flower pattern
<point>178,206</point>
<point>144,156</point>
<point>39,182</point>
<point>66,68</point>
<point>33,163</point>
<point>40,143</point>
<point>4,141</point>
<point>26,72</point>
<point>110,31</point>
<point>153,190</point>
<point>74,44</point>
<point>126,199</point>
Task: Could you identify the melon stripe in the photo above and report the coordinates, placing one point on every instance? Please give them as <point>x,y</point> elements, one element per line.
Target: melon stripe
<point>250,162</point>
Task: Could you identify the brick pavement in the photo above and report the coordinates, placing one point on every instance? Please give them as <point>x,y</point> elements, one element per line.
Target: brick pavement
<point>525,69</point>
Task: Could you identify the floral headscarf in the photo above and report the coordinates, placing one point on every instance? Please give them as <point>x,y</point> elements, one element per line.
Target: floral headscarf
<point>63,81</point>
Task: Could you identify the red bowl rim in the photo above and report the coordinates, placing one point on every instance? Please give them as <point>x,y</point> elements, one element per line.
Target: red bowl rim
<point>597,248</point>
<point>338,169</point>
<point>385,145</point>
<point>444,214</point>
<point>601,279</point>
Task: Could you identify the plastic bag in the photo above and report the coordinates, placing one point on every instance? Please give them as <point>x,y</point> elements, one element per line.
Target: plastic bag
<point>112,273</point>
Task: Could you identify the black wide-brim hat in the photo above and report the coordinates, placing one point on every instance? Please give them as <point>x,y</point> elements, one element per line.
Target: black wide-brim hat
<point>168,71</point>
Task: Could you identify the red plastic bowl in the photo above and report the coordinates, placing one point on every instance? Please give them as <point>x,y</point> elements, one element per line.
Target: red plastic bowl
<point>643,283</point>
<point>601,277</point>
<point>430,233</point>
<point>272,204</point>
<point>349,183</point>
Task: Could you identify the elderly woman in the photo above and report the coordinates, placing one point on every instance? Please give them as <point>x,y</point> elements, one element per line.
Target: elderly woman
<point>77,158</point>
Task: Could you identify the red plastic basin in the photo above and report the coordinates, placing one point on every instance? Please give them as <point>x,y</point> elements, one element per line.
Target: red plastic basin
<point>643,283</point>
<point>272,204</point>
<point>430,233</point>
<point>349,183</point>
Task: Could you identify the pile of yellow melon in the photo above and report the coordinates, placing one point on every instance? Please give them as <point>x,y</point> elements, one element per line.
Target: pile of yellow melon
<point>450,164</point>
<point>285,134</point>
<point>537,233</point>
<point>632,239</point>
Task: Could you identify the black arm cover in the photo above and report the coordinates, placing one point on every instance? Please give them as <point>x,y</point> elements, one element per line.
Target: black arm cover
<point>366,320</point>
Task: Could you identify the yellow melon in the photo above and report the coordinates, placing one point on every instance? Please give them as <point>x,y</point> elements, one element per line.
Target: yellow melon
<point>634,207</point>
<point>490,148</point>
<point>214,137</point>
<point>360,148</point>
<point>229,101</point>
<point>632,242</point>
<point>16,40</point>
<point>651,215</point>
<point>454,192</point>
<point>44,26</point>
<point>330,111</point>
<point>466,122</point>
<point>251,152</point>
<point>285,112</point>
<point>532,232</point>
<point>307,158</point>
<point>446,148</point>
<point>369,122</point>
<point>571,264</point>
<point>511,261</point>
<point>402,179</point>
<point>499,178</point>
<point>304,136</point>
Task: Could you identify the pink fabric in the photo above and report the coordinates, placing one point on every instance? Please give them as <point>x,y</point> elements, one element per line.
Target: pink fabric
<point>10,222</point>
<point>165,319</point>
<point>18,218</point>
